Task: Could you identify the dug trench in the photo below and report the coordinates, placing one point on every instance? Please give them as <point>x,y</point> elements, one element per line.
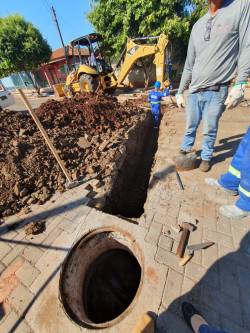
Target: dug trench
<point>129,190</point>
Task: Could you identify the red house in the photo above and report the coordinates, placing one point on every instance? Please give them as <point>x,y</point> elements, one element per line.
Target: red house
<point>55,70</point>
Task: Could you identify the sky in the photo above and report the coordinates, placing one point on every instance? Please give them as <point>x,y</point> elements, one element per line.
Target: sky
<point>71,15</point>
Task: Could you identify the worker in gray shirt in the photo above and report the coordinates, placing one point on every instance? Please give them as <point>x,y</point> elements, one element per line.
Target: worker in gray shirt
<point>218,51</point>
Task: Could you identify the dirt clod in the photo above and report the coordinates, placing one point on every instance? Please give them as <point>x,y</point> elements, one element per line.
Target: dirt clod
<point>35,228</point>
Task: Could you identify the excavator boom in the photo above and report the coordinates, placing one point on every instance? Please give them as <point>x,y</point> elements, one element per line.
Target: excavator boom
<point>135,51</point>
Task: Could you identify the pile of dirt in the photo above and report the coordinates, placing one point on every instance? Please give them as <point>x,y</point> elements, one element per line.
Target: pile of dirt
<point>88,132</point>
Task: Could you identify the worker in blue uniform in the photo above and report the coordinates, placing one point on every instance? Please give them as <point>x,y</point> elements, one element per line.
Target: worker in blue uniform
<point>237,181</point>
<point>154,98</point>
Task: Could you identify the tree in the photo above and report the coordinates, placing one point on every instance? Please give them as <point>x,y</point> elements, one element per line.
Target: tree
<point>117,20</point>
<point>22,47</point>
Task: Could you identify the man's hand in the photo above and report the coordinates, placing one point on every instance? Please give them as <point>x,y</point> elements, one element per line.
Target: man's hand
<point>236,95</point>
<point>180,101</point>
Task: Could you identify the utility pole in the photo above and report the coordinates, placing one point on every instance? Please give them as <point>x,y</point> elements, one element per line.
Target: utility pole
<point>60,34</point>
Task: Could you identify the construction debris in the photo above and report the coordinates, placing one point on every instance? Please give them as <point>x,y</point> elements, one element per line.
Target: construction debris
<point>87,131</point>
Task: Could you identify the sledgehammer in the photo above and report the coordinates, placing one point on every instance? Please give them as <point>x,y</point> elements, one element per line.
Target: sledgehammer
<point>187,228</point>
<point>191,249</point>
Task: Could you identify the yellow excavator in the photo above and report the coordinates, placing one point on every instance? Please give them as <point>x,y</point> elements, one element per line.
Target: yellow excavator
<point>91,73</point>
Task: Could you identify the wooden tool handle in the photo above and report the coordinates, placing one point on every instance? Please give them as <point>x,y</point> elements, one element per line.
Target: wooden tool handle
<point>44,134</point>
<point>185,260</point>
<point>182,243</point>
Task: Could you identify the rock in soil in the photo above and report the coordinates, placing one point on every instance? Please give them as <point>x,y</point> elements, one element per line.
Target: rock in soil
<point>82,129</point>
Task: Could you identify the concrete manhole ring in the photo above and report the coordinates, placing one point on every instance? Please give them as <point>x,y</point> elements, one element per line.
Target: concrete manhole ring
<point>101,278</point>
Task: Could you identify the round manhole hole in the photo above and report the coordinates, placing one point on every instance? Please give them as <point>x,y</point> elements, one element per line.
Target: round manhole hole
<point>101,278</point>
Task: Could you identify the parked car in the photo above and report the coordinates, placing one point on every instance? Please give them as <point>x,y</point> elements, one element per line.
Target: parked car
<point>6,97</point>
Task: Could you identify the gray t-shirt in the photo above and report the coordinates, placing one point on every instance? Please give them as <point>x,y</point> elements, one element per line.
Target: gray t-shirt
<point>226,52</point>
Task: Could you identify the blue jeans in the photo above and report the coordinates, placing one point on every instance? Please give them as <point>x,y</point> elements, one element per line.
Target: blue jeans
<point>156,112</point>
<point>208,329</point>
<point>209,106</point>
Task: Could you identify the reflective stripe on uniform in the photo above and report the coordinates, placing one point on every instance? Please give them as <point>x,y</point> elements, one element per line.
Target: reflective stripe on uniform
<point>242,190</point>
<point>234,172</point>
<point>155,102</point>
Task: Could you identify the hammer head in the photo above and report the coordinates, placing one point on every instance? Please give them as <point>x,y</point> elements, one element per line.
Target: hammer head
<point>189,226</point>
<point>190,252</point>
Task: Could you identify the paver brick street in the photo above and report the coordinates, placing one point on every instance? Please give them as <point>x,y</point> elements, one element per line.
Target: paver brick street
<point>125,166</point>
<point>215,279</point>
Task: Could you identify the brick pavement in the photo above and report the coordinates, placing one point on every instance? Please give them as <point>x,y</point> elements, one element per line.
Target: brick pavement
<point>28,262</point>
<point>29,282</point>
<point>216,280</point>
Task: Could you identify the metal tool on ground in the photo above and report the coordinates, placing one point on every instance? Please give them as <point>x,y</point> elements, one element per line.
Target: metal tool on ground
<point>191,249</point>
<point>178,177</point>
<point>187,228</point>
<point>25,100</point>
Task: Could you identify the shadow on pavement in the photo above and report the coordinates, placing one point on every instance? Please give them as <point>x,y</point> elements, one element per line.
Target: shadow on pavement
<point>227,148</point>
<point>2,312</point>
<point>23,221</point>
<point>161,175</point>
<point>26,310</point>
<point>222,295</point>
<point>42,246</point>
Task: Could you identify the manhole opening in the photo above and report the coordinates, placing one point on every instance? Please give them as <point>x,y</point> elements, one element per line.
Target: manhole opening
<point>101,278</point>
<point>111,285</point>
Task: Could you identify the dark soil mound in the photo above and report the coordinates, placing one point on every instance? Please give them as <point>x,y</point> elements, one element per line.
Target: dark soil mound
<point>86,130</point>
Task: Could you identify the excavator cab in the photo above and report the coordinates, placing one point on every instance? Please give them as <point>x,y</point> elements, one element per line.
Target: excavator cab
<point>90,44</point>
<point>87,73</point>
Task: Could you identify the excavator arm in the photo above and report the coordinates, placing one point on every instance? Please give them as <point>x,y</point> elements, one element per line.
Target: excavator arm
<point>136,51</point>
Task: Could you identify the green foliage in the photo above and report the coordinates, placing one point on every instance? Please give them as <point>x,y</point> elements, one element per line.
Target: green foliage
<point>22,47</point>
<point>117,20</point>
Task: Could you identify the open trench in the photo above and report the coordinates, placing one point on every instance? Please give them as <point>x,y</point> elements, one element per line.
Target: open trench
<point>129,190</point>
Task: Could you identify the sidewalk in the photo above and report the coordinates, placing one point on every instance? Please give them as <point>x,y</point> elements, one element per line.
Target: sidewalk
<point>31,265</point>
<point>216,279</point>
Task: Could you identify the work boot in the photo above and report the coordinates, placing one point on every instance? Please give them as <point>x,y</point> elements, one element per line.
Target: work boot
<point>205,166</point>
<point>233,212</point>
<point>214,183</point>
<point>192,317</point>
